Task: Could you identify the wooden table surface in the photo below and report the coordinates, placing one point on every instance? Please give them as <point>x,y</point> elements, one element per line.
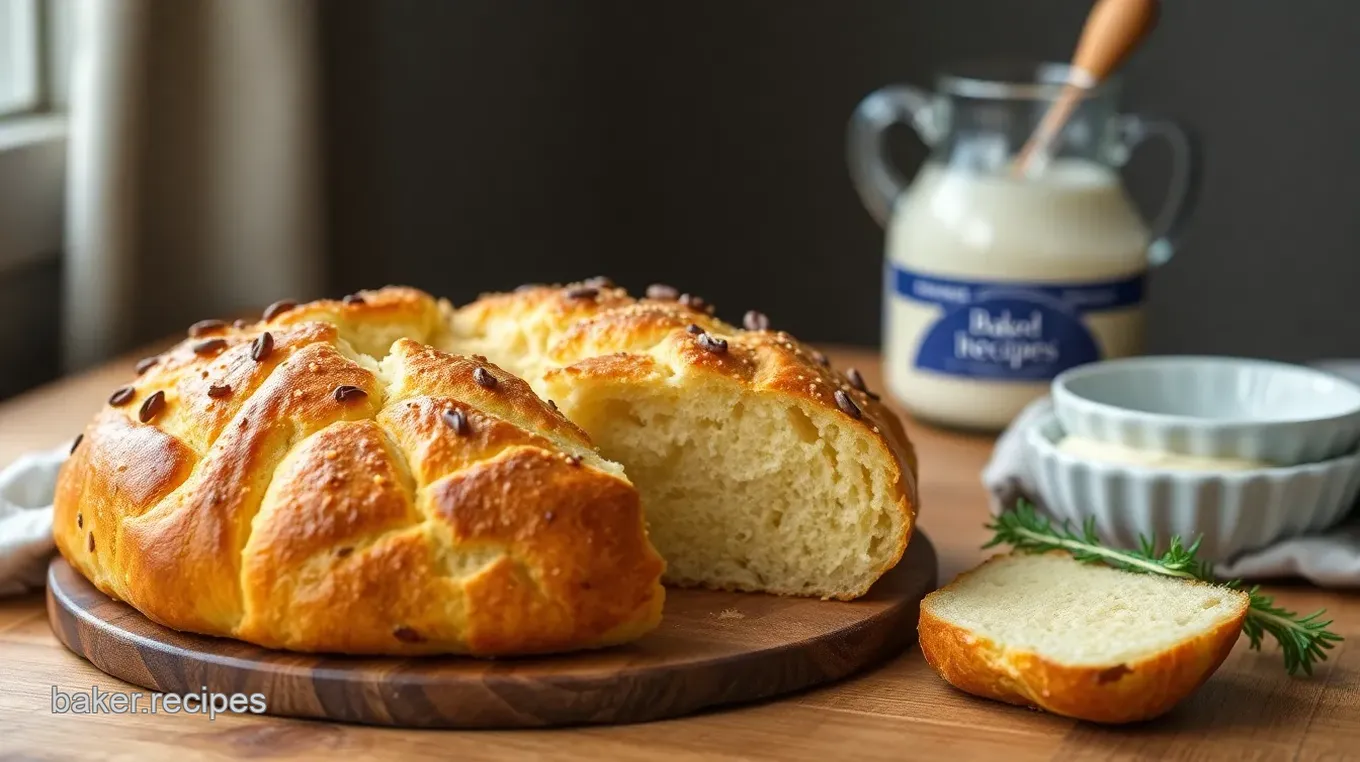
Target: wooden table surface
<point>1250,710</point>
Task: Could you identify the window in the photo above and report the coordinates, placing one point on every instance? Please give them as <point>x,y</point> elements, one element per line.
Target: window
<point>34,55</point>
<point>18,56</point>
<point>34,52</point>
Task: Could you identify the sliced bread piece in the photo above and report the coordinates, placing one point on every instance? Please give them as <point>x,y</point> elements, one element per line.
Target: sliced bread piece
<point>1077,639</point>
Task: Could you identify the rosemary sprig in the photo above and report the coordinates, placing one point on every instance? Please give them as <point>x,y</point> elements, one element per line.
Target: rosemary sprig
<point>1304,640</point>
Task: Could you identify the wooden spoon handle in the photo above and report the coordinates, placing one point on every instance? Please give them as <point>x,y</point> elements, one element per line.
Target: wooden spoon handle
<point>1113,29</point>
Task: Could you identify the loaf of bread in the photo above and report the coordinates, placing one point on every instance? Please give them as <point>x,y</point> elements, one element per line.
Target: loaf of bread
<point>761,468</point>
<point>357,476</point>
<point>1077,639</point>
<point>326,480</point>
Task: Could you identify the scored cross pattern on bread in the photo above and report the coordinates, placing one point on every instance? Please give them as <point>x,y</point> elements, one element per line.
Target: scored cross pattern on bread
<point>326,504</point>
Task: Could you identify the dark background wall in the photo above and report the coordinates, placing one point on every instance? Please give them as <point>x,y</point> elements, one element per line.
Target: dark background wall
<point>477,144</point>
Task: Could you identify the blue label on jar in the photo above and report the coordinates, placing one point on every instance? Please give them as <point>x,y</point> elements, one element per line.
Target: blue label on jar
<point>1010,331</point>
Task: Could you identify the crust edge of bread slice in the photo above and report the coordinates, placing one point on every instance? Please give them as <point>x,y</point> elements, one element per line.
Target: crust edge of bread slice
<point>1113,693</point>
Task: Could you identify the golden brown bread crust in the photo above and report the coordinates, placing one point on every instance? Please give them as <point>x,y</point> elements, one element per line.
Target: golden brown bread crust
<point>1113,694</point>
<point>612,323</point>
<point>592,330</point>
<point>290,512</point>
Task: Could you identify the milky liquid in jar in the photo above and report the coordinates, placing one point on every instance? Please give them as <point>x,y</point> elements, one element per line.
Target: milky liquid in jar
<point>997,283</point>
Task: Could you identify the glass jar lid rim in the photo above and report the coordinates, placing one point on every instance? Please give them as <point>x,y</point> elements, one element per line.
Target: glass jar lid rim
<point>1017,80</point>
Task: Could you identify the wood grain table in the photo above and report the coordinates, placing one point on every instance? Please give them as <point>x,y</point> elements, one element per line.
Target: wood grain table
<point>1249,710</point>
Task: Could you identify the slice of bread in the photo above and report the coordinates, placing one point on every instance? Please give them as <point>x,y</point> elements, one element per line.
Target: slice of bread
<point>1077,639</point>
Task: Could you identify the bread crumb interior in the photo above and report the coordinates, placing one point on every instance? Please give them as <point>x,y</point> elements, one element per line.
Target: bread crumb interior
<point>1082,614</point>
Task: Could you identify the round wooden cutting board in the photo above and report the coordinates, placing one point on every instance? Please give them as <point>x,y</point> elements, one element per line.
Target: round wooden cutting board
<point>711,649</point>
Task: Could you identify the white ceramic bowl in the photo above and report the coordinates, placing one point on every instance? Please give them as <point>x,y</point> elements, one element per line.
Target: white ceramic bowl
<point>1234,511</point>
<point>1218,407</point>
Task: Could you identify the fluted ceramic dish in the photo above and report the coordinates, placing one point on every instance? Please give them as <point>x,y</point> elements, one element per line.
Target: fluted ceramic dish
<point>1217,407</point>
<point>1234,511</point>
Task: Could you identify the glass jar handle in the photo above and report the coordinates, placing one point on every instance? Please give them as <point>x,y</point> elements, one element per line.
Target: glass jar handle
<point>877,181</point>
<point>1186,155</point>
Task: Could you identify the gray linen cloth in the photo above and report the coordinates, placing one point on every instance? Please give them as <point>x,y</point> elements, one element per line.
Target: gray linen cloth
<point>26,489</point>
<point>1330,558</point>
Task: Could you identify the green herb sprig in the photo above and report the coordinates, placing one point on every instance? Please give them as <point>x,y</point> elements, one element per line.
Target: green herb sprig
<point>1304,640</point>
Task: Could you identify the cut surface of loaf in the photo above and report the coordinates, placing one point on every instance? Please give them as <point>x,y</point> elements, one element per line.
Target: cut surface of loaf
<point>323,480</point>
<point>760,467</point>
<point>1078,639</point>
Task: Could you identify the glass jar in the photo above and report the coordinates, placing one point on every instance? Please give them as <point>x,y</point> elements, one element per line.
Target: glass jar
<point>997,280</point>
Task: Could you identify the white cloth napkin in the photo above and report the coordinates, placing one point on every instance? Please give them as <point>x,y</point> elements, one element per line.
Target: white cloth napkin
<point>1329,559</point>
<point>26,489</point>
